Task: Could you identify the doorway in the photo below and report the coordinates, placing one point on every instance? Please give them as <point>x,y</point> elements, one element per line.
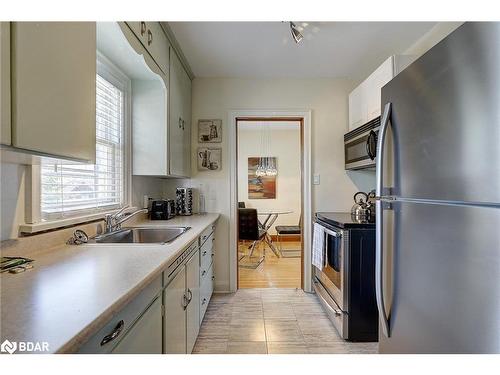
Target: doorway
<point>269,174</point>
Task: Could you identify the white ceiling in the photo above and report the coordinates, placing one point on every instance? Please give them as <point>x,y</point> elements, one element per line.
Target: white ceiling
<point>266,49</point>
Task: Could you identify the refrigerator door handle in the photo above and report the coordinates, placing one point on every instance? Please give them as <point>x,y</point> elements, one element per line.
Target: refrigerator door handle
<point>379,219</point>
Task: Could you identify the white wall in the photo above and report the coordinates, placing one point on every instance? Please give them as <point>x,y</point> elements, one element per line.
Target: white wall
<point>326,98</point>
<point>285,146</point>
<point>431,38</point>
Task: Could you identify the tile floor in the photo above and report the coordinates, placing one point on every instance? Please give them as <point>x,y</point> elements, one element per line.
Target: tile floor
<point>271,321</point>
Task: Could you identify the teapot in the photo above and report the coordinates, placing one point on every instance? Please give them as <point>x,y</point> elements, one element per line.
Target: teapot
<point>360,209</point>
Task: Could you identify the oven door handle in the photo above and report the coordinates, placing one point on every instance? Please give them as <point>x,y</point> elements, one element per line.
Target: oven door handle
<point>379,256</point>
<point>333,233</point>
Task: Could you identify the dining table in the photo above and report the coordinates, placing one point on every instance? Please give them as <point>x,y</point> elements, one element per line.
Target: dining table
<point>271,215</point>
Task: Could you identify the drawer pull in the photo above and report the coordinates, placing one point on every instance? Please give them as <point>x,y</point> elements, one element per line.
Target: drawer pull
<point>204,301</point>
<point>213,278</point>
<point>203,273</point>
<point>185,301</point>
<point>113,335</point>
<point>143,27</point>
<point>190,296</point>
<point>204,253</point>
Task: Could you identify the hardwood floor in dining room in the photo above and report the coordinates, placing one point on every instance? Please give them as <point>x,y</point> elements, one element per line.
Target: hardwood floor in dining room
<point>273,272</point>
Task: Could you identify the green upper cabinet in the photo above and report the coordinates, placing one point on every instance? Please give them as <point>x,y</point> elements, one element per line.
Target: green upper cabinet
<point>152,37</point>
<point>179,118</point>
<point>53,70</point>
<point>152,156</point>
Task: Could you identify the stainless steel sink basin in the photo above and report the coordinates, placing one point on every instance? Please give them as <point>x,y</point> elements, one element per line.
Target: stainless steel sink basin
<point>142,235</point>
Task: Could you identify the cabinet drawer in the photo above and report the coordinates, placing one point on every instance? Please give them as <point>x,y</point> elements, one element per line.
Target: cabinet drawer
<point>206,254</point>
<point>128,315</point>
<point>206,233</point>
<point>206,290</point>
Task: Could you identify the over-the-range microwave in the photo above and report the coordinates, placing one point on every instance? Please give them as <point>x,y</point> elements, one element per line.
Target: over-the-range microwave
<point>360,146</point>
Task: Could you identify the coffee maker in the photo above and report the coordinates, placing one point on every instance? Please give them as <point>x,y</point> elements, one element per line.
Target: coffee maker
<point>184,201</point>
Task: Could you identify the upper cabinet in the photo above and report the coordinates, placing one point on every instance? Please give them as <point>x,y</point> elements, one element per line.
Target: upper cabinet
<point>161,119</point>
<point>52,88</point>
<point>5,127</point>
<point>180,118</point>
<point>365,101</point>
<point>152,37</point>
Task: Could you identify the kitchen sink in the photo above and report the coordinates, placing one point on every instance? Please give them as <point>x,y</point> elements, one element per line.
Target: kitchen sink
<point>142,235</point>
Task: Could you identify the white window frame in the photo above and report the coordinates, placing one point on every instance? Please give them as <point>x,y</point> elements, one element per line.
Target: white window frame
<point>33,215</point>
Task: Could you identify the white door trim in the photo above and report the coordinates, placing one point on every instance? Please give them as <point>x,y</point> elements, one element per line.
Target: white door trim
<point>306,188</point>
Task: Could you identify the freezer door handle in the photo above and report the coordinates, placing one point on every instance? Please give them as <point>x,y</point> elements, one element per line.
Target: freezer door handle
<point>379,256</point>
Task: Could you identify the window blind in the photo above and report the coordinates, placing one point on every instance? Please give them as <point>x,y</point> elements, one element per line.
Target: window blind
<point>68,190</point>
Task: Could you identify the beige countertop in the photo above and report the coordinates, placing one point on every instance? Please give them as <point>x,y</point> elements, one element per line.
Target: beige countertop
<point>73,291</point>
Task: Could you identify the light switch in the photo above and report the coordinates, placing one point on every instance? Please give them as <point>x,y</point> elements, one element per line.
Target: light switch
<point>316,179</point>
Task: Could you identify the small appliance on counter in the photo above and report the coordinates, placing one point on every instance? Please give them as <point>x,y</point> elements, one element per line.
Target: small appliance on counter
<point>184,201</point>
<point>364,205</point>
<point>163,209</point>
<point>344,273</point>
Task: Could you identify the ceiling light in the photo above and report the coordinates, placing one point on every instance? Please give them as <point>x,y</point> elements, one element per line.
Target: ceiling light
<point>296,34</point>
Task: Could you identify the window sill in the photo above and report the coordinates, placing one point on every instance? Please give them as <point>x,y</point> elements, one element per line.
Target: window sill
<point>62,223</point>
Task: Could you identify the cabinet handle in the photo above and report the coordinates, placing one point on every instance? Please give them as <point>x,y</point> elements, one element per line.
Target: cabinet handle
<point>180,123</point>
<point>185,301</point>
<point>143,27</point>
<point>213,278</point>
<point>150,37</point>
<point>203,273</point>
<point>113,335</point>
<point>204,253</point>
<point>204,301</point>
<point>190,296</point>
<point>183,122</point>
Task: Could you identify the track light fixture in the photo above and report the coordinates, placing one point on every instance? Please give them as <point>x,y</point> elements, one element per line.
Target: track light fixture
<point>296,34</point>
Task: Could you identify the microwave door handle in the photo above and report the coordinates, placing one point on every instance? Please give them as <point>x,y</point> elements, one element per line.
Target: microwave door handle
<point>379,219</point>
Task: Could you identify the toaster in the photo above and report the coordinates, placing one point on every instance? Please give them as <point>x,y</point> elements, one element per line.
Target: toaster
<point>162,209</point>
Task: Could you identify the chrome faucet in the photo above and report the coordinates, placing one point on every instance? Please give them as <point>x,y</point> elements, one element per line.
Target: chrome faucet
<point>114,221</point>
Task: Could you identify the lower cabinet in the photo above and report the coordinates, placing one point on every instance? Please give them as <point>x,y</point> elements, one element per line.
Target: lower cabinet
<point>145,336</point>
<point>164,319</point>
<point>193,307</point>
<point>182,310</point>
<point>137,328</point>
<point>174,321</point>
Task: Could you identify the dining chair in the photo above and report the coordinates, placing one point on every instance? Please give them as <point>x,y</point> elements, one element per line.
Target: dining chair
<point>289,230</point>
<point>248,228</point>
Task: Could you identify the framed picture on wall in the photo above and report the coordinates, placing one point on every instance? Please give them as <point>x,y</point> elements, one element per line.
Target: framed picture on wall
<point>260,187</point>
<point>210,131</point>
<point>209,159</point>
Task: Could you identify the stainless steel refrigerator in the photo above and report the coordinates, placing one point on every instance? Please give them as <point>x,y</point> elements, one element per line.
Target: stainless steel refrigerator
<point>438,213</point>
